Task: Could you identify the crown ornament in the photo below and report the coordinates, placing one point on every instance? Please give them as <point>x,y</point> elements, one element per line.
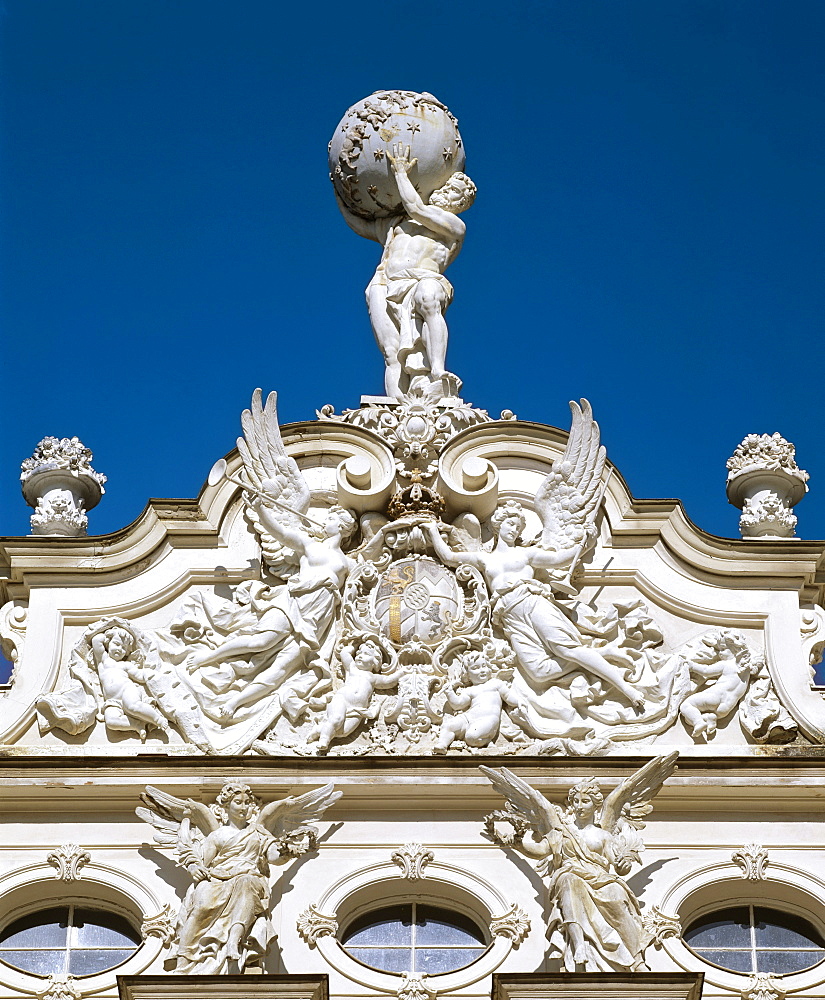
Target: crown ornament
<point>416,499</point>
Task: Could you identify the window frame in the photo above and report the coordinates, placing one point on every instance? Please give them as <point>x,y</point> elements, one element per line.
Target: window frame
<point>443,886</point>
<point>414,903</point>
<point>703,889</point>
<point>35,887</point>
<point>71,905</point>
<point>753,948</point>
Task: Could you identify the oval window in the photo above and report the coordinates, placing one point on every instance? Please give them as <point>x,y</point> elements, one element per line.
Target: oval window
<point>68,939</point>
<point>756,939</point>
<point>414,937</point>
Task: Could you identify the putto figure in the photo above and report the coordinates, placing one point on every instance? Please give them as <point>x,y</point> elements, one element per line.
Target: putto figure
<point>584,850</point>
<point>477,696</point>
<point>112,679</point>
<point>223,923</point>
<point>368,667</point>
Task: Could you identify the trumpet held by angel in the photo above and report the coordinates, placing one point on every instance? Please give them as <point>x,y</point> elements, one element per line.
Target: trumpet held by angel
<point>524,579</point>
<point>583,850</point>
<point>227,848</point>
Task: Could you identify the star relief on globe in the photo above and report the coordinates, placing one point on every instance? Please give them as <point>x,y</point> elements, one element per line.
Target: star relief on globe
<point>361,146</point>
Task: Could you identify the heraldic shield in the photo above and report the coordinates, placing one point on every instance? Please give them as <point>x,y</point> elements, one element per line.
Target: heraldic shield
<point>417,598</point>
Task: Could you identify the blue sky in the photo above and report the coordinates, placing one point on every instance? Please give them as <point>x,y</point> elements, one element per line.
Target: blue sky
<point>648,231</point>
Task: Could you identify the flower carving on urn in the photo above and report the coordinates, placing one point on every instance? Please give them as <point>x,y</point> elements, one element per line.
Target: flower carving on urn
<point>765,483</point>
<point>60,483</point>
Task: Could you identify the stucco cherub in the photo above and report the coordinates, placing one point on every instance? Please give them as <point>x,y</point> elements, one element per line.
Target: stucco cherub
<point>721,668</point>
<point>109,671</point>
<point>368,667</point>
<point>595,921</point>
<point>223,923</point>
<point>126,705</point>
<point>477,694</point>
<point>294,623</point>
<point>547,643</point>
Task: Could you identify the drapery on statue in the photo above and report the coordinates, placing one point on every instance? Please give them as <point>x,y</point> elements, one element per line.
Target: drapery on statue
<point>408,294</point>
<point>293,629</point>
<point>548,645</point>
<point>227,849</point>
<point>595,920</point>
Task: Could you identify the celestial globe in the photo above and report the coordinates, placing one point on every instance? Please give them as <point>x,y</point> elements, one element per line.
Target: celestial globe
<point>359,151</point>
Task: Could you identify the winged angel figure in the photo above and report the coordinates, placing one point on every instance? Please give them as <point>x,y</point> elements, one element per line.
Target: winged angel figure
<point>547,643</point>
<point>294,621</point>
<point>227,849</point>
<point>595,920</point>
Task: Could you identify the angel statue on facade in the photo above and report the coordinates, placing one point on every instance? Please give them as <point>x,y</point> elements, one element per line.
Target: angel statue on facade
<point>547,643</point>
<point>293,626</point>
<point>595,921</point>
<point>223,923</point>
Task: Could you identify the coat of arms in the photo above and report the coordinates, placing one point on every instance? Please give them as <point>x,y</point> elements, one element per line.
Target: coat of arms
<point>417,599</point>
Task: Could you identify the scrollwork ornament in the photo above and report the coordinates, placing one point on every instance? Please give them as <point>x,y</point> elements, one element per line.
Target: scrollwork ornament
<point>13,620</point>
<point>413,987</point>
<point>416,427</point>
<point>514,924</point>
<point>68,860</point>
<point>60,987</point>
<point>762,986</point>
<point>312,924</point>
<point>660,926</point>
<point>161,925</point>
<point>753,860</point>
<point>412,859</point>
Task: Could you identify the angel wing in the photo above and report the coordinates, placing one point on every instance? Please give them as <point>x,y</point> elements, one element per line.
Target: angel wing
<point>568,499</point>
<point>172,820</point>
<point>272,472</point>
<point>290,820</point>
<point>541,816</point>
<point>631,800</point>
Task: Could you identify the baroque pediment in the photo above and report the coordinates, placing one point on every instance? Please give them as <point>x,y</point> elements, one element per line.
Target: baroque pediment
<point>412,576</point>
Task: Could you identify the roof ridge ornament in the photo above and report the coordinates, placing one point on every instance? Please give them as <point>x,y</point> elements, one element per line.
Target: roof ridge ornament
<point>396,163</point>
